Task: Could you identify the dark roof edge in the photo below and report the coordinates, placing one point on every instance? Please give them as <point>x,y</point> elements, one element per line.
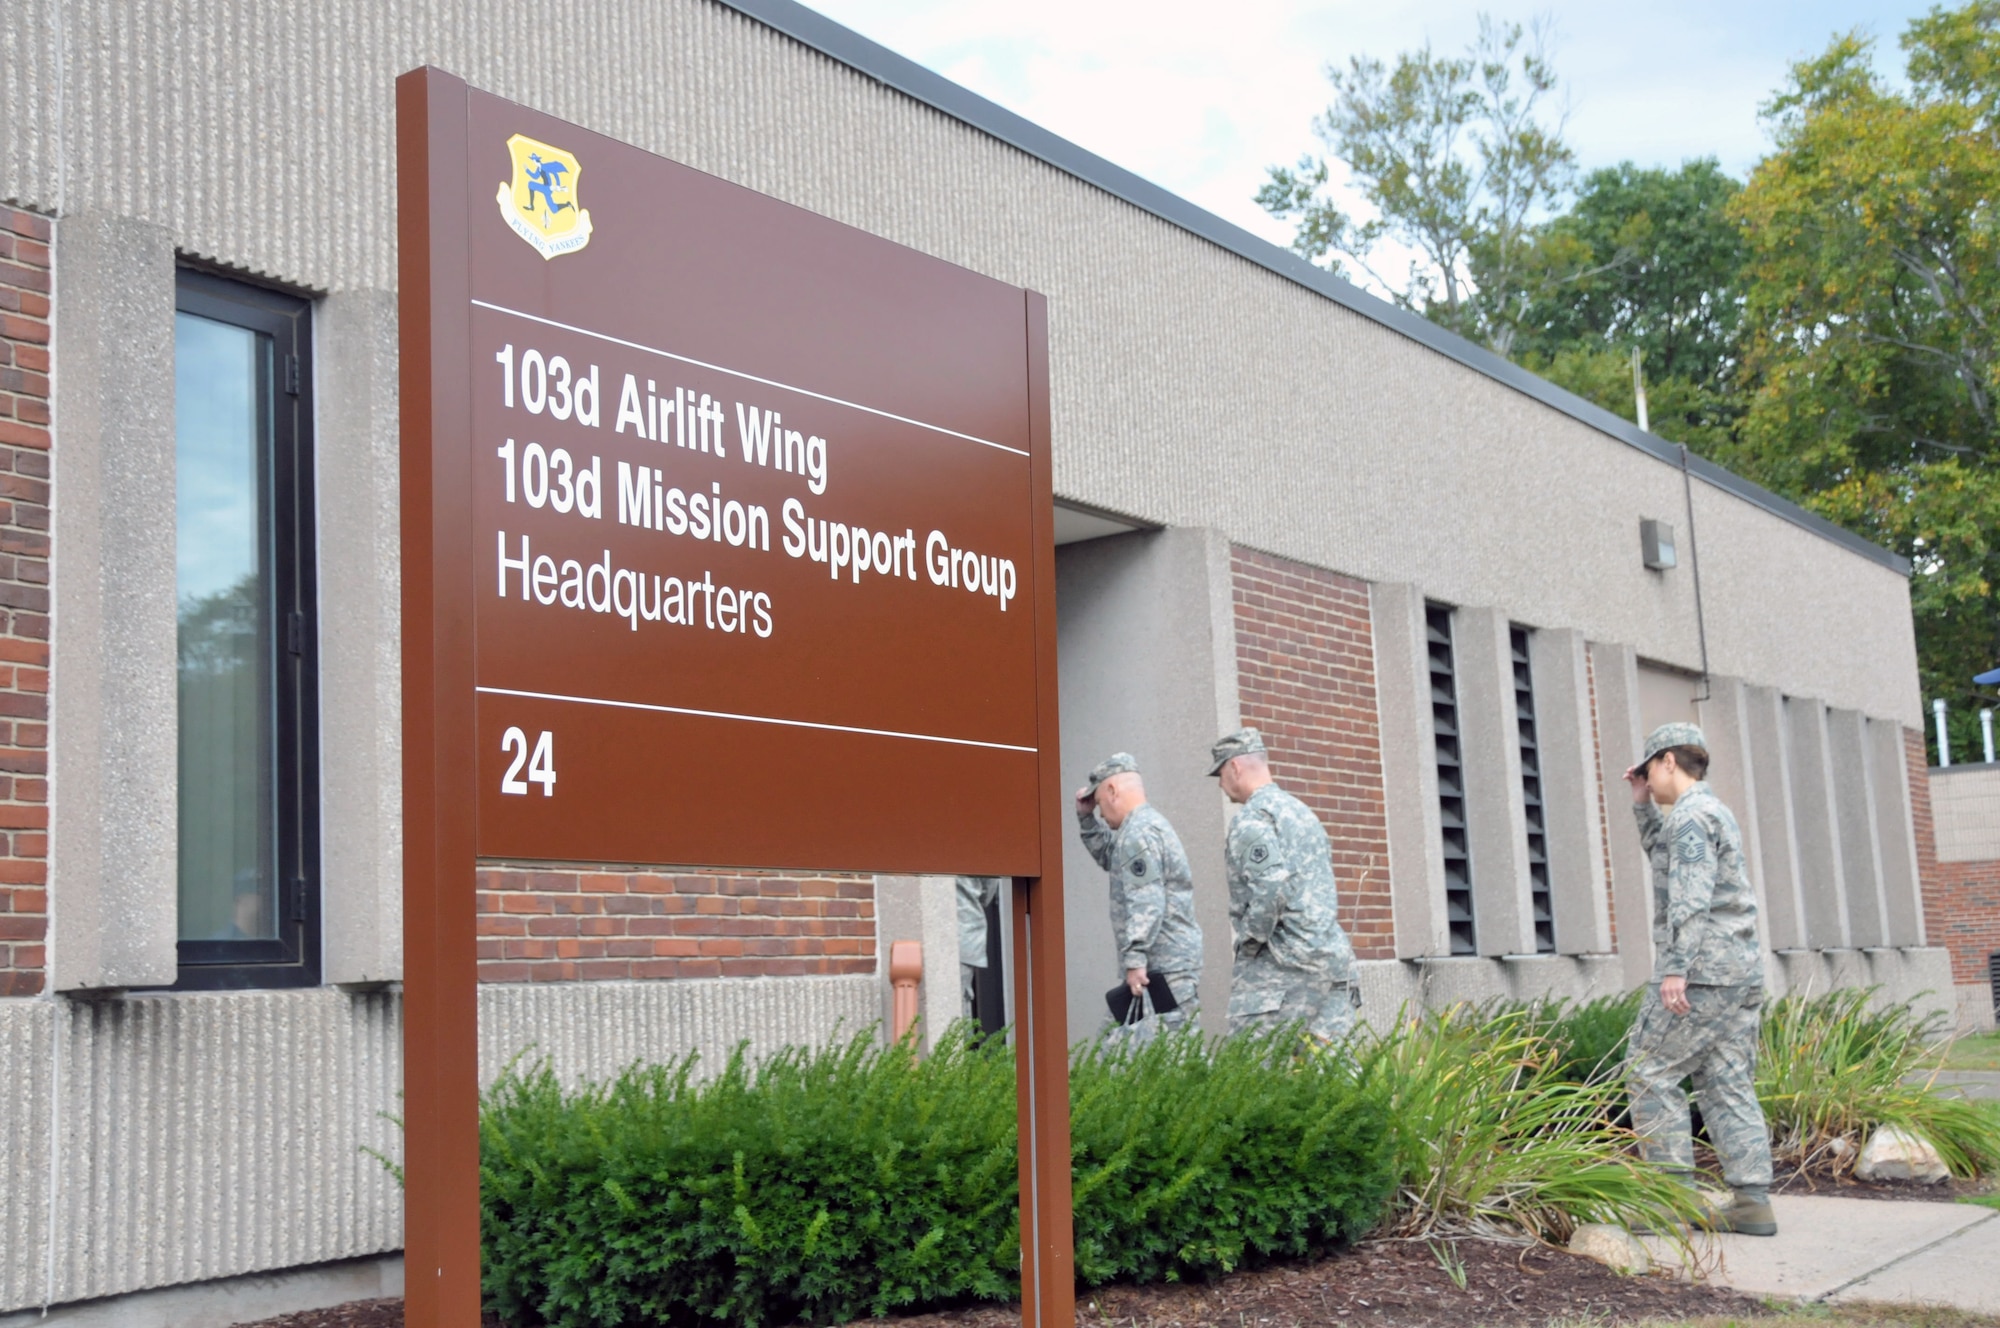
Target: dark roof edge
<point>934,90</point>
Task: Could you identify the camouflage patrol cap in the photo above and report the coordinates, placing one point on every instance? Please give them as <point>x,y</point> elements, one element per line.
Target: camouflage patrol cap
<point>1670,735</point>
<point>1232,745</point>
<point>1118,763</point>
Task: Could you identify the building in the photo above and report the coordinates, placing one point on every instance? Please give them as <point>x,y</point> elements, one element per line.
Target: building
<point>1418,568</point>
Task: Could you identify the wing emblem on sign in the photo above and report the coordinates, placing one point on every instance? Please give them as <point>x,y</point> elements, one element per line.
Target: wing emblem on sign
<point>540,200</point>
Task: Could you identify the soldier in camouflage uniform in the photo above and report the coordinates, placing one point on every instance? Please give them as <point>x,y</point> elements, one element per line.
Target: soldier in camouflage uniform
<point>974,894</point>
<point>1700,1016</point>
<point>1152,891</point>
<point>1293,960</point>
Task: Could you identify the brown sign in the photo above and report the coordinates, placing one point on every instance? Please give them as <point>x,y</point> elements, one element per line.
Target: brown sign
<point>756,498</point>
<point>727,541</point>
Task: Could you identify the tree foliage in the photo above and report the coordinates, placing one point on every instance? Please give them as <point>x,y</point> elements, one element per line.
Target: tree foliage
<point>1459,159</point>
<point>1656,260</point>
<point>1873,310</point>
<point>1831,329</point>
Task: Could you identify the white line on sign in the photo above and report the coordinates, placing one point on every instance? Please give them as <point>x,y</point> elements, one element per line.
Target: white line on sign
<point>747,719</point>
<point>750,377</point>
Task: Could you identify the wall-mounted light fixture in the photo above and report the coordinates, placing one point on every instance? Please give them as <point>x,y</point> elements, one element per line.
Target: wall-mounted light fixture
<point>1656,544</point>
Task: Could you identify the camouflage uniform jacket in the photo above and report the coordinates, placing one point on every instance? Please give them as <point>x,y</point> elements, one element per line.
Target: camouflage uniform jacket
<point>974,894</point>
<point>1282,904</point>
<point>1152,891</point>
<point>1704,907</point>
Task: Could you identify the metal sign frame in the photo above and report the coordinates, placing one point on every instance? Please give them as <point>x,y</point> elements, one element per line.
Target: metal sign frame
<point>442,552</point>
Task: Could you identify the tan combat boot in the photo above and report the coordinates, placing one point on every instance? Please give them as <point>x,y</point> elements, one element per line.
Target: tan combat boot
<point>1746,1215</point>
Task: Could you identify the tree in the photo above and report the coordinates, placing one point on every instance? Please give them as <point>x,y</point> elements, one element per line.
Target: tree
<point>1656,262</point>
<point>1873,295</point>
<point>1459,163</point>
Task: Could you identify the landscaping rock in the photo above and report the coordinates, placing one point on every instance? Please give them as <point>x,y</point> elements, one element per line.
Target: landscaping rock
<point>1893,1154</point>
<point>1614,1247</point>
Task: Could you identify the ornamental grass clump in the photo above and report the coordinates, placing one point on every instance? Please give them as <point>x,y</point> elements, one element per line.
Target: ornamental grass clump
<point>860,1180</point>
<point>1494,1138</point>
<point>1834,1068</point>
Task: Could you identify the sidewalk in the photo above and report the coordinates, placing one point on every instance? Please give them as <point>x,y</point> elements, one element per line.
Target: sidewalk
<point>1830,1249</point>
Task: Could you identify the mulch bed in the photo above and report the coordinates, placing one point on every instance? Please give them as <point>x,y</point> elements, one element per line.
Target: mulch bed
<point>1390,1284</point>
<point>1817,1182</point>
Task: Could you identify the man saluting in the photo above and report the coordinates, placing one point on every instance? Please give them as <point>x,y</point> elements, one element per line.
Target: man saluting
<point>1152,891</point>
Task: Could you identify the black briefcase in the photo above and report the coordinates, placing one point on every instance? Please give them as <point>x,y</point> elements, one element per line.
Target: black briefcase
<point>1127,1009</point>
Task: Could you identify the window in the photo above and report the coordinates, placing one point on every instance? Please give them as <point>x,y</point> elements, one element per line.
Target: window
<point>1531,794</point>
<point>1451,780</point>
<point>248,709</point>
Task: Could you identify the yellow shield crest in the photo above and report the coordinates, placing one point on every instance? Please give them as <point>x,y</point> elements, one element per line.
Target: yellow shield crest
<point>540,201</point>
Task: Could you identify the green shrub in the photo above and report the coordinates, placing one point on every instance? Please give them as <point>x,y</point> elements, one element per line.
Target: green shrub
<point>857,1180</point>
<point>819,1184</point>
<point>1590,1037</point>
<point>1833,1068</point>
<point>1192,1159</point>
<point>1492,1135</point>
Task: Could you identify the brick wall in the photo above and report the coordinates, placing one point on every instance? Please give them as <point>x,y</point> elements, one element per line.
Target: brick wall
<point>1305,661</point>
<point>24,599</point>
<point>593,924</point>
<point>1961,899</point>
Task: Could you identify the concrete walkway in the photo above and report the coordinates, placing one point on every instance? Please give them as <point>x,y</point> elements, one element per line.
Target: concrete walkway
<point>1830,1249</point>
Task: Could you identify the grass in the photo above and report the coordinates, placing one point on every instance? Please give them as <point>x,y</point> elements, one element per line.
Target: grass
<point>1834,1068</point>
<point>1493,1137</point>
<point>1979,1052</point>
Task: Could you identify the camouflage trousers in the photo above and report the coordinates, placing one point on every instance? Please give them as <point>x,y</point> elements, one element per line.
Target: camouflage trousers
<point>1716,1046</point>
<point>1187,995</point>
<point>967,975</point>
<point>1325,1008</point>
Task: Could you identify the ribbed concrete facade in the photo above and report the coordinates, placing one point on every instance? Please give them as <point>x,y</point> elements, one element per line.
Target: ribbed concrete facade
<point>149,1140</point>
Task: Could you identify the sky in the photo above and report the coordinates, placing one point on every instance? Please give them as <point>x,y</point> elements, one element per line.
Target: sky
<point>1201,98</point>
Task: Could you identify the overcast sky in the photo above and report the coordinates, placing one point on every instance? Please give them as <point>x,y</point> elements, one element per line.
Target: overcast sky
<point>1201,98</point>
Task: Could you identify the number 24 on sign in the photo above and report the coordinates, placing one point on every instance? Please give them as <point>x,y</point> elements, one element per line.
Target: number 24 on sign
<point>541,766</point>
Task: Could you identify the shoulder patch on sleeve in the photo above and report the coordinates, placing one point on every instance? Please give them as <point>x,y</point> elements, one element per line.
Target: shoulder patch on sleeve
<point>1690,841</point>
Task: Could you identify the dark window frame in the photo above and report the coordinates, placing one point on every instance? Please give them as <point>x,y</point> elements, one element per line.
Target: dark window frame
<point>293,959</point>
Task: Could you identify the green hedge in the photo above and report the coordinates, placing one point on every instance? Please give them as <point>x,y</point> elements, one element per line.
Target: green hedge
<point>856,1180</point>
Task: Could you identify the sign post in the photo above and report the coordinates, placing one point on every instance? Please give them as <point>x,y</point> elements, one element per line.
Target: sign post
<point>726,534</point>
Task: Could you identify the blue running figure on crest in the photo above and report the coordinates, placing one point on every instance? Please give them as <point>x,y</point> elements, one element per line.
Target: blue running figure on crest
<point>545,178</point>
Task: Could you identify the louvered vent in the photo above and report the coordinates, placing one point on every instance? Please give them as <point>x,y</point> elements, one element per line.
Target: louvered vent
<point>1451,781</point>
<point>1531,795</point>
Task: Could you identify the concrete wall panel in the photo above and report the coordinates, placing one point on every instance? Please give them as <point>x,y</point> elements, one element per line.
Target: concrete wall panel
<point>1572,791</point>
<point>359,638</point>
<point>1409,770</point>
<point>195,1137</point>
<point>1615,670</point>
<point>113,812</point>
<point>1777,864</point>
<point>591,1031</point>
<point>1496,826</point>
<point>1854,804</point>
<point>1965,806</point>
<point>1895,833</point>
<point>1822,873</point>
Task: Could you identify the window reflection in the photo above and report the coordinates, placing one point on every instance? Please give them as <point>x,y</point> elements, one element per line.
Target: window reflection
<point>228,816</point>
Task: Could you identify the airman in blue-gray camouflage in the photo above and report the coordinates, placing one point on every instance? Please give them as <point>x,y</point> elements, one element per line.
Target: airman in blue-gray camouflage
<point>1152,890</point>
<point>1293,961</point>
<point>974,894</point>
<point>1701,1014</point>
